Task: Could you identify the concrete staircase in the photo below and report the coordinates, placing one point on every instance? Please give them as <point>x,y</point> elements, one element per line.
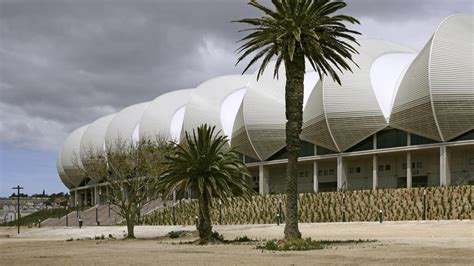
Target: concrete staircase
<point>104,215</point>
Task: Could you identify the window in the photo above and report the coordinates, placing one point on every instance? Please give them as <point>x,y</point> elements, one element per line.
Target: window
<point>331,171</point>
<point>380,168</point>
<point>391,138</point>
<point>320,172</point>
<point>387,167</point>
<point>404,166</point>
<point>325,172</point>
<point>413,165</point>
<point>351,170</point>
<point>357,169</point>
<point>419,165</point>
<point>471,161</point>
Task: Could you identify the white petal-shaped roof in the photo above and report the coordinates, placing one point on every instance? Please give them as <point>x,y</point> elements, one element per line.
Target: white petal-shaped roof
<point>124,127</point>
<point>70,156</point>
<point>354,110</point>
<point>260,131</point>
<point>62,174</point>
<point>164,115</point>
<point>205,105</point>
<point>436,95</point>
<point>93,140</point>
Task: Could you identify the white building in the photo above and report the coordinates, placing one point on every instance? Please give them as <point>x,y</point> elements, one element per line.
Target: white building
<point>403,119</point>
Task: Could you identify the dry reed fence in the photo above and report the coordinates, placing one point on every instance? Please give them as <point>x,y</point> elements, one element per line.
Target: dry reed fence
<point>363,205</point>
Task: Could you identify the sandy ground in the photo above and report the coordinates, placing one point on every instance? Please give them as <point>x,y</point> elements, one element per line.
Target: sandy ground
<point>427,242</point>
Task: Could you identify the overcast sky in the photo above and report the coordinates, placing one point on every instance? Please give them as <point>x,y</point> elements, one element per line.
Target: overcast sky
<point>66,63</point>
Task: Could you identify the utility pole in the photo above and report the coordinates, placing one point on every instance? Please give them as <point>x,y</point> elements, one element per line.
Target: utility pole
<point>18,206</point>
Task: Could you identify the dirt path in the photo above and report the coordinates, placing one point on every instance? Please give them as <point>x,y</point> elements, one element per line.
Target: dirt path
<point>433,242</point>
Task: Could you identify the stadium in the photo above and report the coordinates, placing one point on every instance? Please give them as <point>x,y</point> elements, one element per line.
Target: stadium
<point>402,119</point>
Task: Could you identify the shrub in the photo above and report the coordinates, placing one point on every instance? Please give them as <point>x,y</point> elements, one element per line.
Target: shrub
<point>174,234</point>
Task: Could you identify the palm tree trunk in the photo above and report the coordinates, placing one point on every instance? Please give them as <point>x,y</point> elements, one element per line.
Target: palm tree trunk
<point>294,89</point>
<point>204,226</point>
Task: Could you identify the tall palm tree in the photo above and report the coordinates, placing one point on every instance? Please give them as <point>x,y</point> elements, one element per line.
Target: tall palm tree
<point>292,31</point>
<point>205,165</point>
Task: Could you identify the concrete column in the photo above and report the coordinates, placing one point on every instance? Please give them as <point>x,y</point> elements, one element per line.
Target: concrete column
<point>263,180</point>
<point>409,177</point>
<point>341,174</point>
<point>375,178</point>
<point>408,139</point>
<point>315,177</point>
<point>444,169</point>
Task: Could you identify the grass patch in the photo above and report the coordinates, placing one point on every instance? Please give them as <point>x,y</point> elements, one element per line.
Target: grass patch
<point>301,244</point>
<point>40,215</point>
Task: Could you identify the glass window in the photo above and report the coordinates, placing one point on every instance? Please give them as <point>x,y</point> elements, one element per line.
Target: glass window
<point>351,170</point>
<point>325,172</point>
<point>357,169</point>
<point>466,136</point>
<point>387,167</point>
<point>413,166</point>
<point>418,140</point>
<point>323,151</point>
<point>404,166</point>
<point>366,144</point>
<point>306,149</point>
<point>331,171</point>
<point>391,138</point>
<point>380,168</point>
<point>419,165</point>
<point>320,172</point>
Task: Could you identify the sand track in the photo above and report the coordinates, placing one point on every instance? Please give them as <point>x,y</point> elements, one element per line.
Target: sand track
<point>430,242</point>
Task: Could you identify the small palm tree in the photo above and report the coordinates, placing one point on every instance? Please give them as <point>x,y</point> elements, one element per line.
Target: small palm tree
<point>292,31</point>
<point>205,165</point>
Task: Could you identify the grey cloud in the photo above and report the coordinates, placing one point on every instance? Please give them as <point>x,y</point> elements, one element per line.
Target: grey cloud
<point>66,63</point>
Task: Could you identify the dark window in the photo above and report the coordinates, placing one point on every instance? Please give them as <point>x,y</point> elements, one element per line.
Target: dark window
<point>387,167</point>
<point>418,140</point>
<point>307,149</point>
<point>391,138</point>
<point>357,169</point>
<point>351,170</point>
<point>320,172</point>
<point>380,168</point>
<point>331,171</point>
<point>404,166</point>
<point>325,172</point>
<point>419,165</point>
<point>366,144</point>
<point>249,159</point>
<point>324,151</point>
<point>280,155</point>
<point>466,136</point>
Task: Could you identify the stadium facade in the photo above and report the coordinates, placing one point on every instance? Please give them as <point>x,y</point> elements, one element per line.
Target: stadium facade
<point>401,119</point>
